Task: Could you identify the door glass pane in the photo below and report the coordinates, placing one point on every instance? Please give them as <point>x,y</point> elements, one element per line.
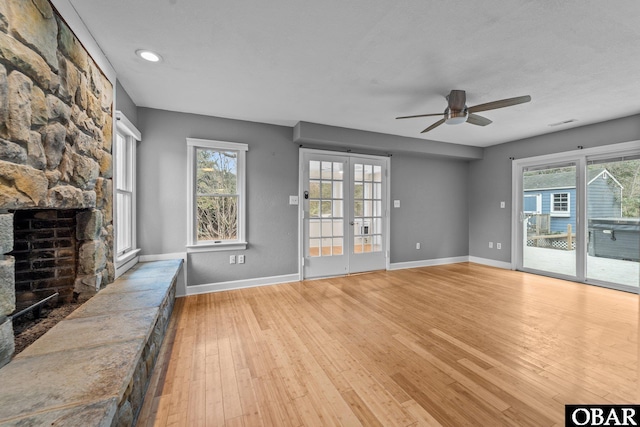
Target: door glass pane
<point>357,244</point>
<point>314,228</point>
<point>326,209</point>
<point>367,208</point>
<point>337,190</point>
<point>314,189</point>
<point>314,169</point>
<point>327,229</point>
<point>550,235</point>
<point>338,171</point>
<point>337,208</point>
<point>314,247</point>
<point>613,220</point>
<point>368,190</point>
<point>327,244</point>
<point>368,172</point>
<point>338,227</point>
<point>377,173</point>
<point>326,170</point>
<point>377,191</point>
<point>377,243</point>
<point>325,201</point>
<point>357,172</point>
<point>338,246</point>
<point>314,208</point>
<point>357,208</point>
<point>326,190</point>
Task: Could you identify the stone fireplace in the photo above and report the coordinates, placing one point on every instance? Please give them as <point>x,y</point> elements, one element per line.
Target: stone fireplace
<point>56,121</point>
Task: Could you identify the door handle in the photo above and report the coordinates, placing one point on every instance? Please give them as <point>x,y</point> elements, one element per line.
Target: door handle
<point>351,222</point>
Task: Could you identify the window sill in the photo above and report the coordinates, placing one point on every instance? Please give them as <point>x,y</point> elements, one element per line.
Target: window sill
<point>560,215</point>
<point>217,247</point>
<point>127,256</point>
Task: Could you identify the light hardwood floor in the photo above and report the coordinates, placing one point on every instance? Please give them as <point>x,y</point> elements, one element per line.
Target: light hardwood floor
<point>453,345</point>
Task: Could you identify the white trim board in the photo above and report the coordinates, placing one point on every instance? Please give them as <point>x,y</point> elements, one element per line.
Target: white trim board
<point>490,262</point>
<point>241,284</point>
<point>427,263</point>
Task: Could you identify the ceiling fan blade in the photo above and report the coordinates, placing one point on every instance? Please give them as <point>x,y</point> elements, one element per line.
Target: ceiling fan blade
<point>433,126</point>
<point>475,119</point>
<point>420,115</point>
<point>457,99</point>
<point>500,104</point>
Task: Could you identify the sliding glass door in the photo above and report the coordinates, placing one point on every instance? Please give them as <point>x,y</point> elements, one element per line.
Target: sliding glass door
<point>577,216</point>
<point>549,218</point>
<point>613,220</point>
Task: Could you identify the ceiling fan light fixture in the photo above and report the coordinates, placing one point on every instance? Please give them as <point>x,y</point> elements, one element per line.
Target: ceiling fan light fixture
<point>456,117</point>
<point>148,55</point>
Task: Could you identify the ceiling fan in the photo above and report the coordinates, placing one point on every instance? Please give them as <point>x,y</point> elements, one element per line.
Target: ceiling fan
<point>457,112</point>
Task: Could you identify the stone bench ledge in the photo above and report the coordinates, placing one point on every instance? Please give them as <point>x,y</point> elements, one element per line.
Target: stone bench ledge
<point>80,371</point>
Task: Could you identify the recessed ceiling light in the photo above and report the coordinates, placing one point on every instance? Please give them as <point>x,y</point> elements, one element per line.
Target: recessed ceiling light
<point>147,55</point>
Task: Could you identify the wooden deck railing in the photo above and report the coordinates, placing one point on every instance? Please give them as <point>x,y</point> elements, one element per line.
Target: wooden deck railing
<point>569,236</point>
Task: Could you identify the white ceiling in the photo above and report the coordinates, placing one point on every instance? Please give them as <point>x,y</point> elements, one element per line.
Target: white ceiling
<point>359,64</point>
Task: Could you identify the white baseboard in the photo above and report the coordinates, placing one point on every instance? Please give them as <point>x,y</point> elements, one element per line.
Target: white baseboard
<point>427,262</point>
<point>490,262</point>
<point>241,284</point>
<point>181,288</point>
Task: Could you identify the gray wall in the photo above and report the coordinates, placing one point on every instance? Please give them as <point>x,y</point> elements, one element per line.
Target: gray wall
<point>432,192</point>
<point>272,175</point>
<point>490,178</point>
<point>433,208</point>
<point>452,207</point>
<point>125,104</point>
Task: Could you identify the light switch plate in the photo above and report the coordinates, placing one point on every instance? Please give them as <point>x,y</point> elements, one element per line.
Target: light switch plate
<point>396,203</point>
<point>293,200</point>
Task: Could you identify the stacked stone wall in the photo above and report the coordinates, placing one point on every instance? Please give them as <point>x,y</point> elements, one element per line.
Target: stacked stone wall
<point>56,124</point>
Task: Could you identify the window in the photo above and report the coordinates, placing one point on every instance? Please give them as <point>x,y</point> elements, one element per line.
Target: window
<point>532,203</point>
<point>216,195</point>
<point>560,204</point>
<point>124,153</point>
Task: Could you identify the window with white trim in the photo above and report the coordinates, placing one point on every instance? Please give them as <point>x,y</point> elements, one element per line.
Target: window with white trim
<point>216,180</point>
<point>124,174</point>
<point>560,204</point>
<point>532,203</point>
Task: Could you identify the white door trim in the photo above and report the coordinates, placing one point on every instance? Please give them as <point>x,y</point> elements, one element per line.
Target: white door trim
<point>387,189</point>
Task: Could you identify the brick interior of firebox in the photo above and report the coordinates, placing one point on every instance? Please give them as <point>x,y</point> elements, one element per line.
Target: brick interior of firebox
<point>45,249</point>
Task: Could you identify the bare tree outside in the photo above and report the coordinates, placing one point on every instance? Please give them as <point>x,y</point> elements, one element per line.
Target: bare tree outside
<point>216,195</point>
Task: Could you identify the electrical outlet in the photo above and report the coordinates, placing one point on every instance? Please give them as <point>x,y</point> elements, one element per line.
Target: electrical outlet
<point>490,245</point>
<point>232,259</point>
<point>418,245</point>
<point>240,259</point>
<point>498,245</point>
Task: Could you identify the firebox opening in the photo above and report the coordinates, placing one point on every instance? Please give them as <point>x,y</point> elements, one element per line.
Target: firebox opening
<point>46,256</point>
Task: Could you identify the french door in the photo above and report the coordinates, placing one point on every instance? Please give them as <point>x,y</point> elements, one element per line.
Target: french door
<point>345,209</point>
<point>577,216</point>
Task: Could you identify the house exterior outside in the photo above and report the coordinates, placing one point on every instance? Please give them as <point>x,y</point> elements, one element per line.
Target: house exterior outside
<point>554,194</point>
